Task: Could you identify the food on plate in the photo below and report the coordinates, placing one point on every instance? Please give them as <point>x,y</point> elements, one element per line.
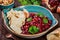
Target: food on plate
<point>5,2</point>
<point>51,4</point>
<point>55,35</point>
<point>30,2</point>
<point>36,23</point>
<point>25,22</point>
<point>16,20</point>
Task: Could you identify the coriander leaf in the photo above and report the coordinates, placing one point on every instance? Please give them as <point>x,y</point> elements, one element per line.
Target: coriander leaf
<point>24,2</point>
<point>40,15</point>
<point>29,2</point>
<point>29,19</point>
<point>36,3</point>
<point>36,29</point>
<point>33,0</point>
<point>20,0</point>
<point>45,20</point>
<point>33,29</point>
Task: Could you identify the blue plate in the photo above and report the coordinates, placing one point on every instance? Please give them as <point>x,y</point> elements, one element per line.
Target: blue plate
<point>32,8</point>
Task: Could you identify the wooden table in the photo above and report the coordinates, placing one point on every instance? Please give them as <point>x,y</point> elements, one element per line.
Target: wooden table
<point>4,30</point>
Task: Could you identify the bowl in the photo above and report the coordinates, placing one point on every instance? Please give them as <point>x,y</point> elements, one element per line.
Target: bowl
<point>31,8</point>
<point>7,6</point>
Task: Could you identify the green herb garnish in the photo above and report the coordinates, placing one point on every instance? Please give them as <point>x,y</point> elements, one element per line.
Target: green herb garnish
<point>33,29</point>
<point>33,0</point>
<point>40,15</point>
<point>29,19</point>
<point>45,20</point>
<point>29,2</point>
<point>36,3</point>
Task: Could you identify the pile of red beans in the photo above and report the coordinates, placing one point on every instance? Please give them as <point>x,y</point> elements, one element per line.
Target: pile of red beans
<point>36,21</point>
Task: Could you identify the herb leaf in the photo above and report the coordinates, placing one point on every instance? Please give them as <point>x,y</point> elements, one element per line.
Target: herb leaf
<point>40,15</point>
<point>29,2</point>
<point>29,19</point>
<point>33,29</point>
<point>36,3</point>
<point>45,20</point>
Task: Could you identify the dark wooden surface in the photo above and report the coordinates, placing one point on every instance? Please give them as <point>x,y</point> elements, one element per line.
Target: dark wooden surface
<point>4,31</point>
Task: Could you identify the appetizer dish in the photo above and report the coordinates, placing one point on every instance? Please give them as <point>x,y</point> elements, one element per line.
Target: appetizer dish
<point>53,5</point>
<point>55,35</point>
<point>5,2</point>
<point>36,23</point>
<point>29,21</point>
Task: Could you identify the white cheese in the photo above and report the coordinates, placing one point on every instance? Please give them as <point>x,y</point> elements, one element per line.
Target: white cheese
<point>16,20</point>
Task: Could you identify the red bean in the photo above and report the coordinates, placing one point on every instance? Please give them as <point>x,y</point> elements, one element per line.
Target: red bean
<point>36,21</point>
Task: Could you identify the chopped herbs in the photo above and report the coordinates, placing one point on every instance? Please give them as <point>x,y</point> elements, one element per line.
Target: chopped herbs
<point>29,19</point>
<point>30,2</point>
<point>33,29</point>
<point>45,20</point>
<point>40,15</point>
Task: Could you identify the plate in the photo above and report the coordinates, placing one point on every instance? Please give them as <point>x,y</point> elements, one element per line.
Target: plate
<point>31,8</point>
